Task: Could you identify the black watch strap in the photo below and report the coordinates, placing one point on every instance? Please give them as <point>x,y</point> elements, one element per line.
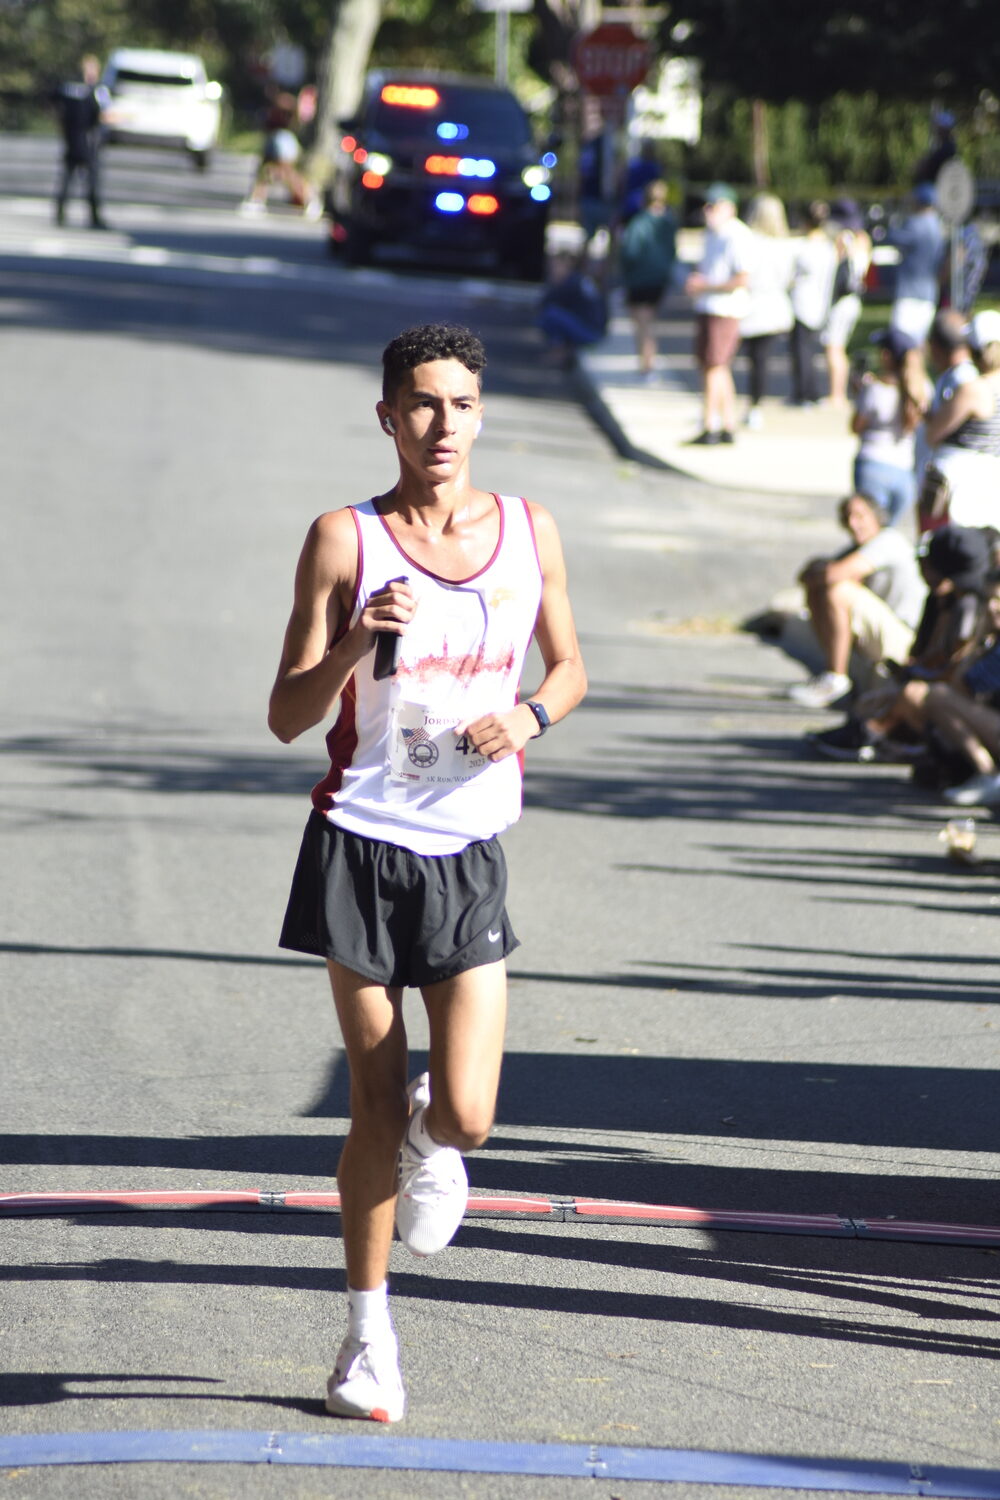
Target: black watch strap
<point>541,717</point>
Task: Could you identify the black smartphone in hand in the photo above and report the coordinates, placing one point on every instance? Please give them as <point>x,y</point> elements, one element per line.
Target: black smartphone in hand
<point>387,647</point>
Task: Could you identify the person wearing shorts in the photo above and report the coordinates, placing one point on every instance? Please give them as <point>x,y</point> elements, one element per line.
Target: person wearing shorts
<point>647,253</point>
<point>400,879</point>
<point>719,292</point>
<point>870,597</point>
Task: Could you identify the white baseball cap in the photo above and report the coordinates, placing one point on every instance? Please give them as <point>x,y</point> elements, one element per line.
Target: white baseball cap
<point>984,328</point>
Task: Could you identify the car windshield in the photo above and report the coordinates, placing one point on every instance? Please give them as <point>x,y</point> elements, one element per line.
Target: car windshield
<point>161,80</point>
<point>447,113</point>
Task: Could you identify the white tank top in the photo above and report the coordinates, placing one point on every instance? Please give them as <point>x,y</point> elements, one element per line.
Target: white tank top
<point>398,773</point>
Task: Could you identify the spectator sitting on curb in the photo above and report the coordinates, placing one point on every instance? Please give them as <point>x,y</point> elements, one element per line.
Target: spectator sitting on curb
<point>960,720</point>
<point>573,312</point>
<point>869,596</point>
<point>955,565</point>
<point>967,719</point>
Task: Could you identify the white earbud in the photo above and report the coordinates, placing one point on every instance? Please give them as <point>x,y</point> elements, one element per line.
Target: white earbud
<point>389,426</point>
<point>479,428</point>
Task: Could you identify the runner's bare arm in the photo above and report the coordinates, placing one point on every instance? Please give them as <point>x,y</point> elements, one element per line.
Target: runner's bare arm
<point>314,668</point>
<point>565,680</point>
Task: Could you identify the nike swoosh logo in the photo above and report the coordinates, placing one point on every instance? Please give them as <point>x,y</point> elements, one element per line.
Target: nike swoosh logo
<point>494,937</point>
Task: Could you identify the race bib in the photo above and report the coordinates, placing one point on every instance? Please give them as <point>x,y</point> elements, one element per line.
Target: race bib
<point>424,751</point>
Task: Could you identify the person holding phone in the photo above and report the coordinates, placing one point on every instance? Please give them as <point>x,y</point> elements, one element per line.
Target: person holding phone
<point>401,880</point>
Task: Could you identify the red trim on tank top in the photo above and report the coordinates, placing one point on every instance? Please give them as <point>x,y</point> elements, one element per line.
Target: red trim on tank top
<point>361,560</point>
<point>438,577</point>
<point>342,740</point>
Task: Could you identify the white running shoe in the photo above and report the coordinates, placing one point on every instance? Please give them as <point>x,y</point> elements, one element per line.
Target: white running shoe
<point>821,691</point>
<point>433,1189</point>
<point>979,791</point>
<point>366,1382</point>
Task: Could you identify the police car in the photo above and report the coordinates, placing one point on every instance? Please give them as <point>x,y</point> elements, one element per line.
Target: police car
<point>439,162</point>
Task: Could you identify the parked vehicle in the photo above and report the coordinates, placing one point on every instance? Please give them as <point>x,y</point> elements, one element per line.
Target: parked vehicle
<point>440,162</point>
<point>162,99</point>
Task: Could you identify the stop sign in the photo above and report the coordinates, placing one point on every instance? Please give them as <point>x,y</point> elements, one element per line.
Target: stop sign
<point>611,59</point>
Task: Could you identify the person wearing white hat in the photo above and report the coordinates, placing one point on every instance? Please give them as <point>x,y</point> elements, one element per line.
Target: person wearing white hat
<point>966,432</point>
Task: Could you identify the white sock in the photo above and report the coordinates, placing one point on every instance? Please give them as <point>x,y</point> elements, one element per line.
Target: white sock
<point>368,1313</point>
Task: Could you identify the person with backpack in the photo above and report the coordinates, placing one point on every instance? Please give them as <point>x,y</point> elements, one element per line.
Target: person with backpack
<point>647,252</point>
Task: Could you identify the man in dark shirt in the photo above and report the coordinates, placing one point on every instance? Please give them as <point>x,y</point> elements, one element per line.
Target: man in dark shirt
<point>79,105</point>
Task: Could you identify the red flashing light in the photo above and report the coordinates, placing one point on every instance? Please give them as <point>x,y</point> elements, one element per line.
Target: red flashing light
<point>483,203</point>
<point>410,96</point>
<point>372,180</point>
<point>442,166</point>
<point>361,156</point>
<point>347,143</point>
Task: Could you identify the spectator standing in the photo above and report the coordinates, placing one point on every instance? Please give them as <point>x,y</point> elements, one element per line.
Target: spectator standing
<point>869,596</point>
<point>647,252</point>
<point>639,173</point>
<point>920,240</point>
<point>950,355</point>
<point>888,408</point>
<point>718,289</point>
<point>813,273</point>
<point>854,255</point>
<point>770,310</point>
<point>80,105</point>
<point>965,431</point>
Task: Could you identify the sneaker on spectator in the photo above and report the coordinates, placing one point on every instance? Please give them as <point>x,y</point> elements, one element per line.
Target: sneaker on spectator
<point>821,691</point>
<point>433,1189</point>
<point>366,1382</point>
<point>979,791</point>
<point>852,740</point>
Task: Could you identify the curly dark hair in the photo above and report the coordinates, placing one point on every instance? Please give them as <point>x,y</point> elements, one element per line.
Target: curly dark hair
<point>417,346</point>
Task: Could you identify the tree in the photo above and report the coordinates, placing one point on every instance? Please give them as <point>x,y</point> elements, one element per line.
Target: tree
<point>783,49</point>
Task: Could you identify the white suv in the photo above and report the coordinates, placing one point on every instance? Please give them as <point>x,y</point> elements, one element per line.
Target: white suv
<point>162,99</point>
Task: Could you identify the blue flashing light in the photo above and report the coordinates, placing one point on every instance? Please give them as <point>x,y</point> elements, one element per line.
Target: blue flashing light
<point>549,159</point>
<point>541,193</point>
<point>449,203</point>
<point>448,130</point>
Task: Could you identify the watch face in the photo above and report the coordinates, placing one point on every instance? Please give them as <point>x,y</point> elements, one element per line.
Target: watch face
<point>539,712</point>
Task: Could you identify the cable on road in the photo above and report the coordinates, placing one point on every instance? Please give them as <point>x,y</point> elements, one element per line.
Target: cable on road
<point>580,1461</point>
<point>481,1206</point>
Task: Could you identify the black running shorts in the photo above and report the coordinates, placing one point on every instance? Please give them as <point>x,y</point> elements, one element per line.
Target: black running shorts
<point>397,917</point>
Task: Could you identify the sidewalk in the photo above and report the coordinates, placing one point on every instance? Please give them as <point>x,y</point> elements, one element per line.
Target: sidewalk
<point>797,451</point>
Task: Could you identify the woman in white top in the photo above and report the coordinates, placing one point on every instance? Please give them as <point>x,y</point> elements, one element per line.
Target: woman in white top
<point>770,310</point>
<point>854,257</point>
<point>812,293</point>
<point>888,408</point>
<point>962,481</point>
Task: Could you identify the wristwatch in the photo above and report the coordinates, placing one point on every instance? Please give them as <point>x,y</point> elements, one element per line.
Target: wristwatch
<point>541,717</point>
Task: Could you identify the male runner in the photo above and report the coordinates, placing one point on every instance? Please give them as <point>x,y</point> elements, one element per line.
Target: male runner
<point>400,879</point>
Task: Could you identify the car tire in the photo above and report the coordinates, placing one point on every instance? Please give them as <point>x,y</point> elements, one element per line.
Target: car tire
<point>358,247</point>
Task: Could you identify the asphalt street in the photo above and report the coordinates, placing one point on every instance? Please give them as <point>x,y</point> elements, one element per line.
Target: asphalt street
<point>749,980</point>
